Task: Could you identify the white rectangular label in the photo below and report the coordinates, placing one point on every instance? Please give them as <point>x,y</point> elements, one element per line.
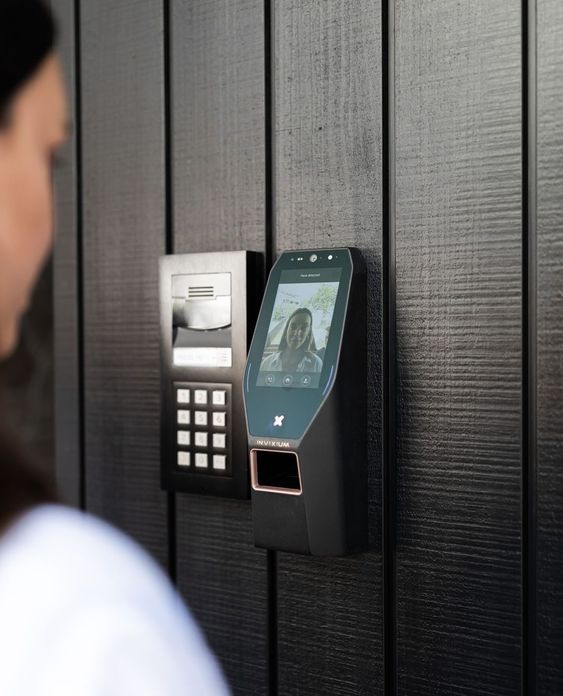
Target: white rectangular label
<point>203,357</point>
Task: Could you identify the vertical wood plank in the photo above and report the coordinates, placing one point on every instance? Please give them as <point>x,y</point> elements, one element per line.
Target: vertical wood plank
<point>218,150</point>
<point>218,124</point>
<point>67,404</point>
<point>328,193</point>
<point>458,286</point>
<point>124,219</point>
<point>549,348</point>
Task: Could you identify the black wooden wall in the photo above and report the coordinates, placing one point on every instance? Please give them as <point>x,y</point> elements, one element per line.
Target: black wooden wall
<point>429,135</point>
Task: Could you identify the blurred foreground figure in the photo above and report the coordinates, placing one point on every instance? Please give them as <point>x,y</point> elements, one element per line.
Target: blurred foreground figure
<point>83,610</point>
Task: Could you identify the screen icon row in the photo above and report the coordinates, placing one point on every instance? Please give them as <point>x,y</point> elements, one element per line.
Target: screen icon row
<point>288,380</point>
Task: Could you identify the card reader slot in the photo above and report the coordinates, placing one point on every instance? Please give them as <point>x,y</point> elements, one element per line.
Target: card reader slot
<point>275,472</point>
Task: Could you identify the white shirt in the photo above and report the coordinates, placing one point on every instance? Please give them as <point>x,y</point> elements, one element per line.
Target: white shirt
<point>85,612</point>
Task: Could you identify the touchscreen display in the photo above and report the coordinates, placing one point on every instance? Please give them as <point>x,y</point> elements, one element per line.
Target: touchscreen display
<point>299,328</point>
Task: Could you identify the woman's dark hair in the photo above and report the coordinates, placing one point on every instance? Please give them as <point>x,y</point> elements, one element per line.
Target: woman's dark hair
<point>310,344</point>
<point>27,36</point>
<point>21,486</point>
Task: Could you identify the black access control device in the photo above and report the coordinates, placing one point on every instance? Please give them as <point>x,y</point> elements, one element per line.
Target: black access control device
<point>305,400</point>
<point>208,306</point>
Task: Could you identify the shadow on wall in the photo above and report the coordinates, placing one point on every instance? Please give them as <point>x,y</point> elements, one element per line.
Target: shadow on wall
<point>26,379</point>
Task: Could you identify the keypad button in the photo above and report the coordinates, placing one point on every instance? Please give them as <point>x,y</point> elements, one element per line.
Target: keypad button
<point>219,440</point>
<point>219,462</point>
<point>200,396</point>
<point>219,419</point>
<point>201,439</point>
<point>219,397</point>
<point>200,417</point>
<point>183,396</point>
<point>183,458</point>
<point>183,437</point>
<point>201,460</point>
<point>183,417</point>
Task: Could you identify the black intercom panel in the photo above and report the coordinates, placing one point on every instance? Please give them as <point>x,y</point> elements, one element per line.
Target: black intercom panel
<point>305,400</point>
<point>208,306</point>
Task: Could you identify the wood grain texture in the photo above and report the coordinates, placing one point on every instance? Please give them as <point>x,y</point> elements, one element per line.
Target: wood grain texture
<point>549,349</point>
<point>218,145</point>
<point>124,217</point>
<point>458,275</point>
<point>66,284</point>
<point>218,124</point>
<point>328,193</point>
<point>223,577</point>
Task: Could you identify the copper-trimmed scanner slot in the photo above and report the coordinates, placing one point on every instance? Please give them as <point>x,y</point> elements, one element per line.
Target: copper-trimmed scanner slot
<point>275,471</point>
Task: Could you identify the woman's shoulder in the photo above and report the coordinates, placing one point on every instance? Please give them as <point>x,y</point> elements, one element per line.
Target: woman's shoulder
<point>77,549</point>
<point>91,588</point>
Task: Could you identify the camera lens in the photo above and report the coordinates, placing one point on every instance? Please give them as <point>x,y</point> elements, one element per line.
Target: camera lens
<point>313,258</point>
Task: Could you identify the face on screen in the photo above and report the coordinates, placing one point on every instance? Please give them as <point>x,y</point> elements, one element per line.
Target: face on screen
<point>298,331</point>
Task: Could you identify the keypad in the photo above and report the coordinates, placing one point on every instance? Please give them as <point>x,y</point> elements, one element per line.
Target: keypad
<point>183,396</point>
<point>201,460</point>
<point>184,437</point>
<point>203,433</point>
<point>183,417</point>
<point>183,458</point>
<point>200,396</point>
<point>200,417</point>
<point>219,398</point>
<point>219,419</point>
<point>219,462</point>
<point>201,439</point>
<point>219,440</point>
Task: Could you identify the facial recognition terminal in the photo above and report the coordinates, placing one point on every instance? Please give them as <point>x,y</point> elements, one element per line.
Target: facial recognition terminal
<point>305,400</point>
<point>208,306</point>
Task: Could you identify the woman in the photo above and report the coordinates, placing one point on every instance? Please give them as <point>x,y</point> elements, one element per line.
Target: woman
<point>296,348</point>
<point>83,610</point>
